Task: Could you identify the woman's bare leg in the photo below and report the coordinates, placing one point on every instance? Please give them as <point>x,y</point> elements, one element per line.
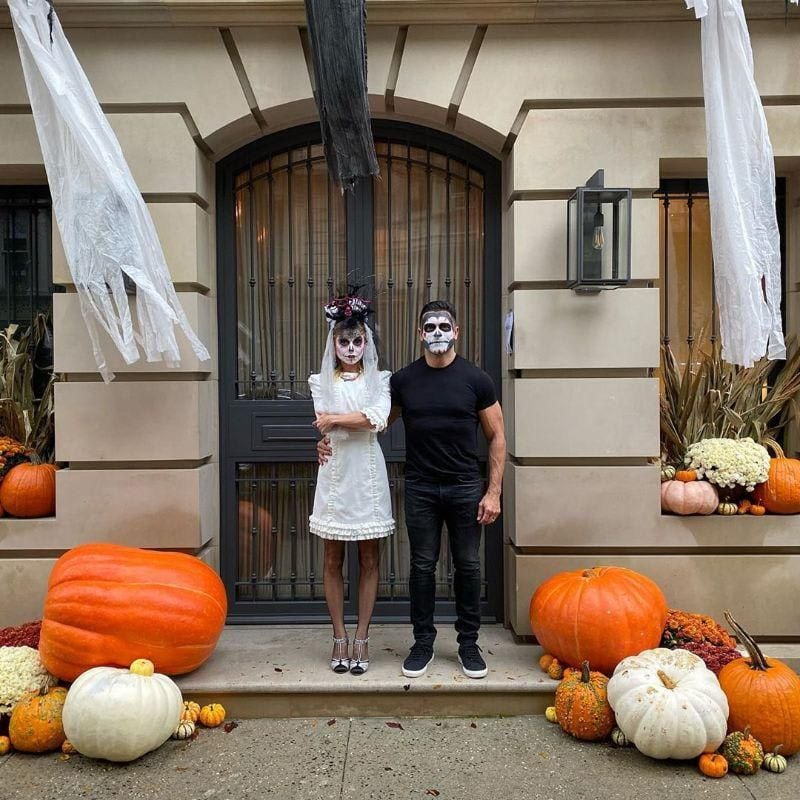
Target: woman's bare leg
<point>368,563</point>
<point>334,591</point>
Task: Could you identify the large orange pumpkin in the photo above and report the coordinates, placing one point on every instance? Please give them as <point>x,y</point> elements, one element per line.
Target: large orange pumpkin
<point>780,494</point>
<point>29,490</point>
<point>763,695</point>
<point>600,615</point>
<point>35,724</point>
<point>108,604</point>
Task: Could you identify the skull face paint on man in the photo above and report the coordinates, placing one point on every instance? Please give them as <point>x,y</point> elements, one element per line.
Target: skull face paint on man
<point>350,345</point>
<point>438,332</point>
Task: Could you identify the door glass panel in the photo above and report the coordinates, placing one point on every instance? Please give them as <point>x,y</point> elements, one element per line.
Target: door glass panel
<point>291,248</point>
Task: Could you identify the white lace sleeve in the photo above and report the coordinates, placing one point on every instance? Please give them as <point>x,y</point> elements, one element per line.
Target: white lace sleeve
<point>377,410</point>
<point>316,393</point>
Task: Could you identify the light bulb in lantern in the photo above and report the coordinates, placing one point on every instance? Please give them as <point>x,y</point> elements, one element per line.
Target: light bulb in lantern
<point>598,238</point>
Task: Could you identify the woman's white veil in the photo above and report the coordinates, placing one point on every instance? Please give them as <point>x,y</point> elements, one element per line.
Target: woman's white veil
<point>327,372</point>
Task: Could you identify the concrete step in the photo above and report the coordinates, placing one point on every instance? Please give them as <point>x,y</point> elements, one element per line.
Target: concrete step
<point>264,671</point>
<point>283,671</point>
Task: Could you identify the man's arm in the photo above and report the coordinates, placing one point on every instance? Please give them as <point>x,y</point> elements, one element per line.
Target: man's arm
<point>491,420</point>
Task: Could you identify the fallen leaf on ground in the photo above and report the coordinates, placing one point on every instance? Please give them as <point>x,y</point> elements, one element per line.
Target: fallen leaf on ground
<point>195,734</point>
<point>229,726</point>
<point>395,725</point>
<point>406,687</point>
<point>332,721</point>
<point>433,792</point>
<point>278,669</point>
<point>473,725</point>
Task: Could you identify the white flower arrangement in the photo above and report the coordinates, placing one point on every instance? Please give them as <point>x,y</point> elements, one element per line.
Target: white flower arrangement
<point>21,671</point>
<point>729,462</point>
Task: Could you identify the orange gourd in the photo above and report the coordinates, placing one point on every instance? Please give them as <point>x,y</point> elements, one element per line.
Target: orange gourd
<point>108,604</point>
<point>212,715</point>
<point>582,706</point>
<point>757,510</point>
<point>686,475</point>
<point>780,493</point>
<point>600,615</point>
<point>35,724</point>
<point>555,670</point>
<point>5,745</point>
<point>545,661</point>
<point>191,711</point>
<point>744,506</point>
<point>763,695</point>
<point>713,765</point>
<point>29,490</point>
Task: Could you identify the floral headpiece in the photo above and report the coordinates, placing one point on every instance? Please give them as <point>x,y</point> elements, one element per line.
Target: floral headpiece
<point>350,306</point>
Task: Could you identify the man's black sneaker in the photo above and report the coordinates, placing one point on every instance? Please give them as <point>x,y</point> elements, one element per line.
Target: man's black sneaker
<point>471,660</point>
<point>416,663</point>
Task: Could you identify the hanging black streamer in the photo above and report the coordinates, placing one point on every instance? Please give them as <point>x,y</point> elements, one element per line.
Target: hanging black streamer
<point>337,35</point>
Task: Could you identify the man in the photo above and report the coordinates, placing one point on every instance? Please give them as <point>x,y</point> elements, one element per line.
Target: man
<point>443,398</point>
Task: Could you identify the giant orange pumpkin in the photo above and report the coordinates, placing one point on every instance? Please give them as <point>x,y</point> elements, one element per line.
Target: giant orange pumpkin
<point>600,615</point>
<point>29,490</point>
<point>107,604</point>
<point>780,494</point>
<point>763,695</point>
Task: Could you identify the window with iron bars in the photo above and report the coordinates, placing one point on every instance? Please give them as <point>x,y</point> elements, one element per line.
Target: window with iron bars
<point>689,313</point>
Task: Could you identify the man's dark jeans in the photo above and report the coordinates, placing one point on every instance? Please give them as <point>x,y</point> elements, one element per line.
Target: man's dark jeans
<point>428,505</point>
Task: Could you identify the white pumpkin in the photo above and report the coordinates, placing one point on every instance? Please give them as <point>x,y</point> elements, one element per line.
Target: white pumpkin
<point>121,714</point>
<point>669,704</point>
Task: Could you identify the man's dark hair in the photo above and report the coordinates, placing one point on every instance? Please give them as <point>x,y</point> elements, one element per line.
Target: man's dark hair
<point>438,305</point>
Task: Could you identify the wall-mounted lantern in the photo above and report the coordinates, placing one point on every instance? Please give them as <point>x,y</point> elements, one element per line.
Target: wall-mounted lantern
<point>599,237</point>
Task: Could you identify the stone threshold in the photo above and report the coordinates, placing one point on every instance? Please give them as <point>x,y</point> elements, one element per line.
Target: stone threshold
<point>283,671</point>
<point>260,671</point>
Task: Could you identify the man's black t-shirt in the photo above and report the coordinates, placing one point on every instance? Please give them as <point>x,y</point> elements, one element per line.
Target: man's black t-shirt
<point>440,413</point>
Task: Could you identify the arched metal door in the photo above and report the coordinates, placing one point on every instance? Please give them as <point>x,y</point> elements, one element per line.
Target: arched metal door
<point>287,240</point>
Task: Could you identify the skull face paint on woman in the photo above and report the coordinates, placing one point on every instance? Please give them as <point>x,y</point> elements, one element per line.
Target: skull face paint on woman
<point>439,332</point>
<point>349,341</point>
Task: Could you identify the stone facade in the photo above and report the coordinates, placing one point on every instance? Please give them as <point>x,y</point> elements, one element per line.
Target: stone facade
<point>542,86</point>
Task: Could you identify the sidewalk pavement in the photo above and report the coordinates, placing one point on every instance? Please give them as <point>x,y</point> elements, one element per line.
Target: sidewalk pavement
<point>517,758</point>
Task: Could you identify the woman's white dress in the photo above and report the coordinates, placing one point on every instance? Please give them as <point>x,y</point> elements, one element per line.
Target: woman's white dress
<point>352,498</point>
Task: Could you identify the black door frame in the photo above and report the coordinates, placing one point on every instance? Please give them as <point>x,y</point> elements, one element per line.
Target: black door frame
<point>249,612</point>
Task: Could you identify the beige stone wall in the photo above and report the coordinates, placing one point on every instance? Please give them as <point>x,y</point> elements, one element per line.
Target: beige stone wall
<point>555,102</point>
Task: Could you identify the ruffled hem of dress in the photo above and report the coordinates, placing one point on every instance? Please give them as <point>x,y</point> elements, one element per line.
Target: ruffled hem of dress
<point>330,530</point>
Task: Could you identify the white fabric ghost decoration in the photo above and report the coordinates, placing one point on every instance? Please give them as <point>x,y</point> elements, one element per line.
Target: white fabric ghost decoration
<point>105,226</point>
<point>741,185</point>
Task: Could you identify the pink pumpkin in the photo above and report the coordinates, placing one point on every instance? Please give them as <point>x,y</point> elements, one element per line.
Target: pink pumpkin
<point>695,497</point>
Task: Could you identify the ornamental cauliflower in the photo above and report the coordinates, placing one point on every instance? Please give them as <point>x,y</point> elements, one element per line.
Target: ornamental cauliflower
<point>729,462</point>
<point>21,671</point>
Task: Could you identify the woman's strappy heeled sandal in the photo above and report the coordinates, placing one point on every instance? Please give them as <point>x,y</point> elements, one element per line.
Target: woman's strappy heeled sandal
<point>358,664</point>
<point>340,665</point>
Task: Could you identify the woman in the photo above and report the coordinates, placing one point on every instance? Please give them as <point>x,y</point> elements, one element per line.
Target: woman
<point>351,502</point>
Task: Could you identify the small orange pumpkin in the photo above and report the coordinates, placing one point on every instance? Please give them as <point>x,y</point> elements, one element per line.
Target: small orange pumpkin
<point>582,706</point>
<point>35,725</point>
<point>212,715</point>
<point>68,748</point>
<point>191,711</point>
<point>545,661</point>
<point>686,475</point>
<point>5,745</point>
<point>757,510</point>
<point>29,490</point>
<point>713,765</point>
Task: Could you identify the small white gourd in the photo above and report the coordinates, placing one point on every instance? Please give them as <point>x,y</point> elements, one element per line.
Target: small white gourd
<point>185,729</point>
<point>145,706</point>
